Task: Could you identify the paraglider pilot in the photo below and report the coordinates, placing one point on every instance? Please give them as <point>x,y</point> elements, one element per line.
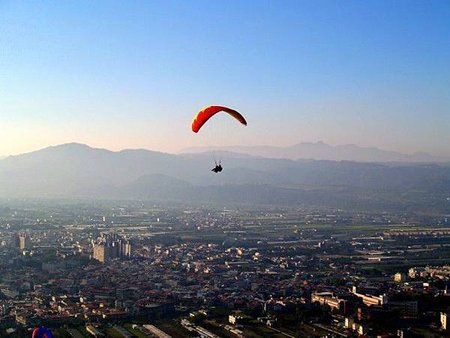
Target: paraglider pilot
<point>217,168</point>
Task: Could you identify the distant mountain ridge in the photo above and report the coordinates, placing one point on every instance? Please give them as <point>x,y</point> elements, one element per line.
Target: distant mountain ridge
<point>323,151</point>
<point>79,171</point>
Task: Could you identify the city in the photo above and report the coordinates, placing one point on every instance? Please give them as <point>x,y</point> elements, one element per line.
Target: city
<point>135,268</point>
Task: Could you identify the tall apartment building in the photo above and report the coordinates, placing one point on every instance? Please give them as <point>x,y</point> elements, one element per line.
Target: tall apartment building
<point>21,241</point>
<point>24,242</point>
<point>109,247</point>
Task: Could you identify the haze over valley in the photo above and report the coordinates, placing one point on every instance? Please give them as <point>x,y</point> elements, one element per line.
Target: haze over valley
<point>79,171</point>
<point>323,151</point>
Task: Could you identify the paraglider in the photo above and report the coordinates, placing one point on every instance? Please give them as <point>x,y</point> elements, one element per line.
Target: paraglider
<point>205,114</point>
<point>41,332</point>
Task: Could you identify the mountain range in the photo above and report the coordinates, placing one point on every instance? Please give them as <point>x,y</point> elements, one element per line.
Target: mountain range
<point>323,151</point>
<point>79,171</point>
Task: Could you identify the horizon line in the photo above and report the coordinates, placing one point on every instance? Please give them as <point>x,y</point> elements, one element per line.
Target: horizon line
<point>209,148</point>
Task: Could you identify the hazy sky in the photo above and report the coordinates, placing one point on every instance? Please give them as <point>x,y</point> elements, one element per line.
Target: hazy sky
<point>131,74</point>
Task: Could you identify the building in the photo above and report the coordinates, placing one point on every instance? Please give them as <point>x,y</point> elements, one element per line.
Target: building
<point>126,249</point>
<point>399,277</point>
<point>235,318</point>
<point>350,324</point>
<point>444,320</point>
<point>24,242</point>
<point>94,331</point>
<point>156,332</point>
<point>370,300</point>
<point>109,247</point>
<point>99,252</point>
<point>327,298</point>
<point>417,272</point>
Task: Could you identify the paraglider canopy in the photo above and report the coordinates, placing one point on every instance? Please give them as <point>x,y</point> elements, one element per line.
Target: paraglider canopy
<point>206,113</point>
<point>41,332</point>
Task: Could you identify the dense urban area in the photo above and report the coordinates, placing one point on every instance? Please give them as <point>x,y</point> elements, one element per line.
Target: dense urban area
<point>135,269</point>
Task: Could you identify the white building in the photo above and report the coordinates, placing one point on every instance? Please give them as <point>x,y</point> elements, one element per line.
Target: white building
<point>444,320</point>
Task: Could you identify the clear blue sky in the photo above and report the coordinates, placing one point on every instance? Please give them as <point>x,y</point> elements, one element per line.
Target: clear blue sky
<point>131,74</point>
